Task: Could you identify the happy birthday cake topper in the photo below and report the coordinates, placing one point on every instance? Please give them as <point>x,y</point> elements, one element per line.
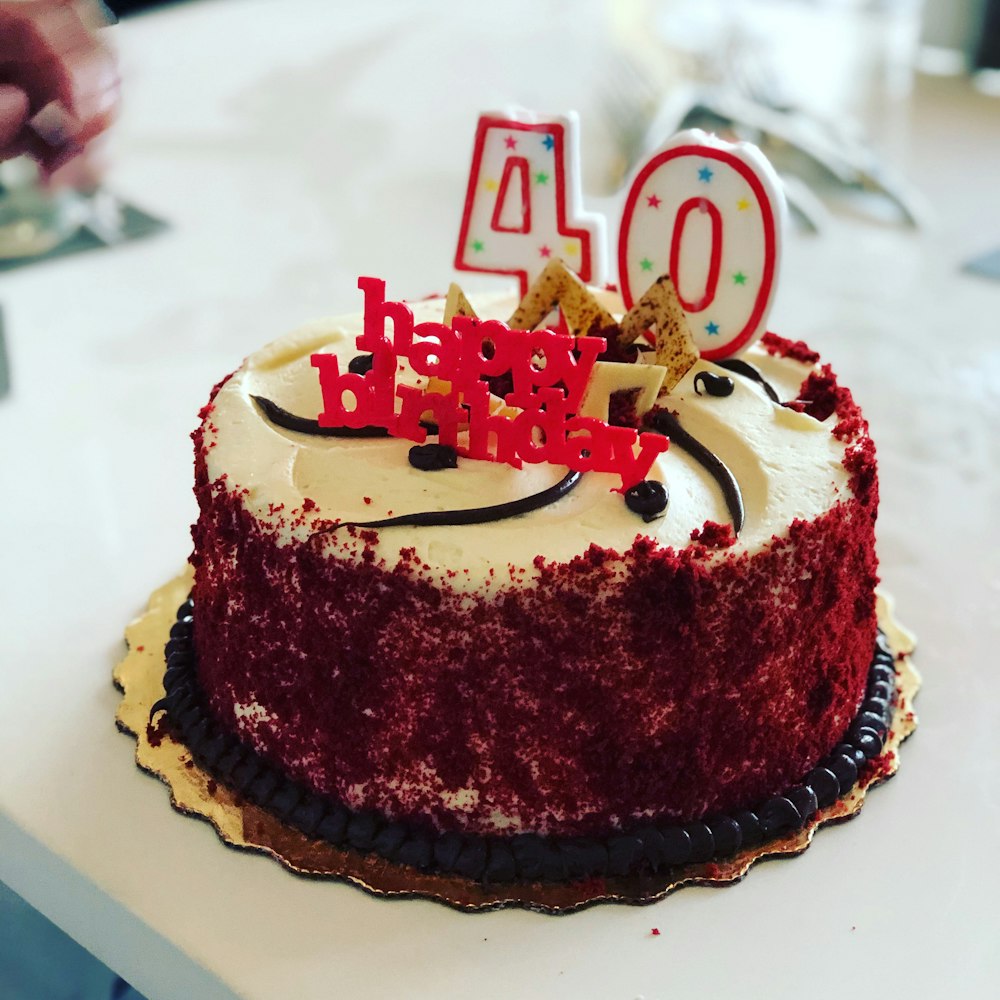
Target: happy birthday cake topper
<point>540,419</point>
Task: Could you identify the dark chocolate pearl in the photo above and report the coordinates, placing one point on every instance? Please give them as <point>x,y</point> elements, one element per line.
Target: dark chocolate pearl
<point>714,385</point>
<point>777,815</point>
<point>585,857</point>
<point>388,840</point>
<point>727,835</point>
<point>285,799</point>
<point>245,774</point>
<point>825,784</point>
<point>361,364</point>
<point>177,661</point>
<point>333,826</point>
<point>183,703</point>
<point>362,829</point>
<point>850,750</point>
<point>845,769</point>
<point>676,845</point>
<point>702,841</point>
<point>433,457</point>
<point>882,645</point>
<point>868,742</point>
<point>180,645</point>
<point>447,849</point>
<point>308,813</point>
<point>648,498</point>
<point>749,827</point>
<point>228,762</point>
<point>529,853</point>
<point>870,720</point>
<point>263,787</point>
<point>189,718</point>
<point>197,735</point>
<point>471,861</point>
<point>212,749</point>
<point>883,690</point>
<point>161,705</point>
<point>418,852</point>
<point>554,867</point>
<point>652,846</point>
<point>624,852</point>
<point>186,609</point>
<point>878,706</point>
<point>500,866</point>
<point>180,630</point>
<point>804,799</point>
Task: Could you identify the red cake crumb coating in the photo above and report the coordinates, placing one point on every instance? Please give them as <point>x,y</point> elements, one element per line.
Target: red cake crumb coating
<point>619,685</point>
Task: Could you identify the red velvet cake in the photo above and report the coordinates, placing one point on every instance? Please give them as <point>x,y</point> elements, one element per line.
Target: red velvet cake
<point>571,673</point>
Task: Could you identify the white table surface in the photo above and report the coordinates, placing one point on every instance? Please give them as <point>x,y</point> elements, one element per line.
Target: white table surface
<point>293,148</point>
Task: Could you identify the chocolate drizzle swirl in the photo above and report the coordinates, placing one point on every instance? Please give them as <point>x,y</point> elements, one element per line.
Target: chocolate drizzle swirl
<point>651,846</point>
<point>747,370</point>
<point>304,425</point>
<point>665,422</point>
<point>471,515</point>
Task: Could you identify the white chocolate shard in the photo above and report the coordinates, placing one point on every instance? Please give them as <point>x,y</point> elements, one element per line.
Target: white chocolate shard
<point>456,304</point>
<point>609,377</point>
<point>660,307</point>
<point>558,286</point>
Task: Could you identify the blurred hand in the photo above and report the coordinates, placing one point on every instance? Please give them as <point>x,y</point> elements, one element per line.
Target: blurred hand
<point>51,51</point>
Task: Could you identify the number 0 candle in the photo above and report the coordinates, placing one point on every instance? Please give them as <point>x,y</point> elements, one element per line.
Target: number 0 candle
<point>523,203</point>
<point>709,213</point>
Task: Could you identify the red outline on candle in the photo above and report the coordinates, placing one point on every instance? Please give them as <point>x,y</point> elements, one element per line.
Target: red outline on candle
<point>519,163</point>
<point>767,219</point>
<point>558,133</point>
<point>714,260</point>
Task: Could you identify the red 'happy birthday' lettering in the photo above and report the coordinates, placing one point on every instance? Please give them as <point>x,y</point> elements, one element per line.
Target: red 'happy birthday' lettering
<point>549,372</point>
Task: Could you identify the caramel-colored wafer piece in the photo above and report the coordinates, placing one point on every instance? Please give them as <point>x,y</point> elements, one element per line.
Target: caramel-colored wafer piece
<point>558,286</point>
<point>661,308</point>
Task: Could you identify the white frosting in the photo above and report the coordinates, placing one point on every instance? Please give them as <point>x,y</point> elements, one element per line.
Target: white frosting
<point>788,466</point>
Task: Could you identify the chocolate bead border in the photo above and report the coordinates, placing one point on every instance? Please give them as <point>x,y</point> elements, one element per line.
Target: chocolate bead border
<point>644,849</point>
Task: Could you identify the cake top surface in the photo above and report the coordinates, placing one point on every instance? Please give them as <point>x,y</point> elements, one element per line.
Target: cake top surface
<point>788,466</point>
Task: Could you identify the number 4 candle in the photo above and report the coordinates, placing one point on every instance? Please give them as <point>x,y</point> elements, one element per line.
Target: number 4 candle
<point>523,203</point>
<point>709,213</point>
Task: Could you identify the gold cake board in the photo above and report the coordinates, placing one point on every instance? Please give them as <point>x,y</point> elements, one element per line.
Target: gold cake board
<point>195,792</point>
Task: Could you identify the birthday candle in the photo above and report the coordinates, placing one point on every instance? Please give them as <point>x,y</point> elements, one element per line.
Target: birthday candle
<point>523,203</point>
<point>709,213</point>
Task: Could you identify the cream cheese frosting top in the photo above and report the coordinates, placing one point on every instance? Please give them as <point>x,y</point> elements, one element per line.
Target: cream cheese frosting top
<point>788,466</point>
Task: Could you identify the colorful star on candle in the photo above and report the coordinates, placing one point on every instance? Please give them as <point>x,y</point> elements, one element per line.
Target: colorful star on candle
<point>477,246</point>
<point>571,248</point>
<point>535,204</point>
<point>491,184</point>
<point>716,233</point>
<point>646,264</point>
<point>653,201</point>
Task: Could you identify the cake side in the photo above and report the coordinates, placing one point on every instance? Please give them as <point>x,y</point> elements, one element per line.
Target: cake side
<point>572,693</point>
